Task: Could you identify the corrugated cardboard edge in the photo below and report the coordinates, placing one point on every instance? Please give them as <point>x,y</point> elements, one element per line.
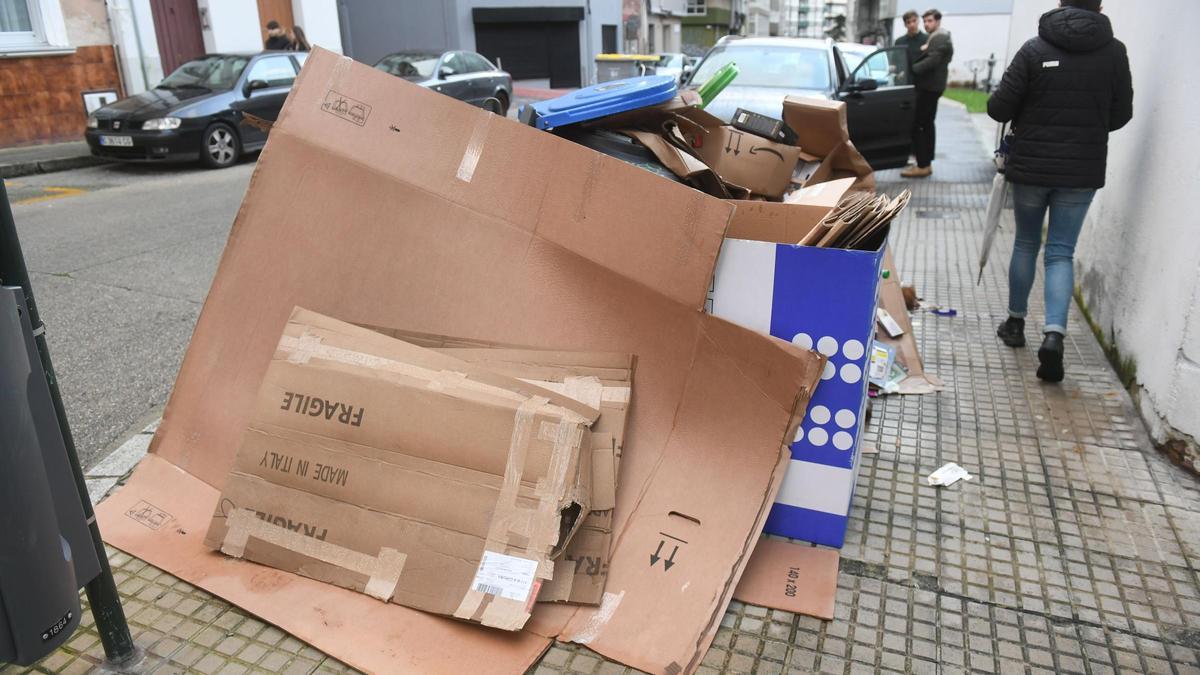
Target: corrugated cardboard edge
<point>776,563</point>
<point>319,613</point>
<point>891,298</point>
<point>382,571</point>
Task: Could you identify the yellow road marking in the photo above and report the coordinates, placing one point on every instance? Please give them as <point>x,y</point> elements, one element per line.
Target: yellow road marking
<point>53,193</point>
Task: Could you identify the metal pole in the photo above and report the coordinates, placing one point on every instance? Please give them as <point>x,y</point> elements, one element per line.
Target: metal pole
<point>991,69</point>
<point>102,591</point>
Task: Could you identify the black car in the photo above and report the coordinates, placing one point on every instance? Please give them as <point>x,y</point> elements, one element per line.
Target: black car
<point>466,76</point>
<point>196,111</point>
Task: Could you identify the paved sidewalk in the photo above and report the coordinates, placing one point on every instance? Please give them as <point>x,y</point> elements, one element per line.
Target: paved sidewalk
<point>47,158</point>
<point>1074,549</point>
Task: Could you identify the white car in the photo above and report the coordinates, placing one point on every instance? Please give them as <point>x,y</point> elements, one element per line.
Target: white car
<point>877,90</point>
<point>672,64</point>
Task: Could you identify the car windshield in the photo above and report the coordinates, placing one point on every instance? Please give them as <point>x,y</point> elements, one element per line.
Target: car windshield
<point>408,65</point>
<point>210,72</point>
<point>761,66</point>
<point>854,57</point>
<point>670,61</point>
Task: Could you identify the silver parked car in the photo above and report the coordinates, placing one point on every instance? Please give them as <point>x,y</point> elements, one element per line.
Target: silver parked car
<point>466,76</point>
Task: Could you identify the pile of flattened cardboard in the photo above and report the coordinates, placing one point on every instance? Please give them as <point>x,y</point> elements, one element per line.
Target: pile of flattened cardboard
<point>417,477</point>
<point>447,434</point>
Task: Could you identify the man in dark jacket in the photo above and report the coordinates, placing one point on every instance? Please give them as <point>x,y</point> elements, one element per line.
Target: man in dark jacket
<point>1064,91</point>
<point>276,37</point>
<point>930,73</point>
<point>913,39</point>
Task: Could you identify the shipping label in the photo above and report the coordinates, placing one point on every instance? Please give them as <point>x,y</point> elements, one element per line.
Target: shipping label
<point>507,576</point>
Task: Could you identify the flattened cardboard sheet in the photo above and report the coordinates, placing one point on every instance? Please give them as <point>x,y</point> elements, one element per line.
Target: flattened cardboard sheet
<point>791,577</point>
<point>161,515</point>
<point>891,299</point>
<point>384,203</point>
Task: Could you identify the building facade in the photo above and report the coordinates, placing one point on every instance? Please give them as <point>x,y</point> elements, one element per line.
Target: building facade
<point>60,59</point>
<point>552,40</point>
<point>706,21</point>
<point>56,61</point>
<point>664,30</point>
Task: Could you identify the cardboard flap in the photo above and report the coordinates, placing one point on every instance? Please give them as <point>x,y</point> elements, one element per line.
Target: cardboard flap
<point>373,119</point>
<point>820,124</point>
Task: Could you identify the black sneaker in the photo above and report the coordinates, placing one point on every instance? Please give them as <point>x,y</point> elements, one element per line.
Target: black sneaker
<point>1012,332</point>
<point>1051,358</point>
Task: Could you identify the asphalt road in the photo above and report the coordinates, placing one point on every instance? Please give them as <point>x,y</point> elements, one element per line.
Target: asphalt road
<point>121,259</point>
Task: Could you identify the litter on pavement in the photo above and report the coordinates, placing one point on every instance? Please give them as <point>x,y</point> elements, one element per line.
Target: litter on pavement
<point>948,475</point>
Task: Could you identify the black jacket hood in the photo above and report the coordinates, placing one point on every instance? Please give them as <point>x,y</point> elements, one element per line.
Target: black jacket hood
<point>1075,30</point>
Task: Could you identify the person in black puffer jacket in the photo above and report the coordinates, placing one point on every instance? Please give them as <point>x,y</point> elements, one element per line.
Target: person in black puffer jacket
<point>1064,91</point>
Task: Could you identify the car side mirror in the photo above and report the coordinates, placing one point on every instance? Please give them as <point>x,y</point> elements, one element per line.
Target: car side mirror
<point>254,85</point>
<point>445,73</point>
<point>868,84</point>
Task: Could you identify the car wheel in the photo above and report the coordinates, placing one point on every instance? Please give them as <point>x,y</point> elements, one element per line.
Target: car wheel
<point>499,104</point>
<point>220,147</point>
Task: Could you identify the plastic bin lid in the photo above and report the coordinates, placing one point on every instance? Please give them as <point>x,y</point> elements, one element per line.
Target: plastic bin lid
<point>601,100</point>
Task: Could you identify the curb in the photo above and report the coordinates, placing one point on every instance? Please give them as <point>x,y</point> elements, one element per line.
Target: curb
<point>19,169</point>
<point>112,469</point>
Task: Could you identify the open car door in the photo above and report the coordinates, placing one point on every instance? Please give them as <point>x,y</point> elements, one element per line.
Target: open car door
<point>880,104</point>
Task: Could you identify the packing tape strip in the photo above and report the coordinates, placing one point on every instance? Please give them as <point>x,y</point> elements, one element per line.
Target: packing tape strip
<point>587,390</point>
<point>514,468</point>
<point>566,447</point>
<point>308,346</point>
<point>508,519</point>
<point>607,394</point>
<point>382,571</point>
<point>474,149</point>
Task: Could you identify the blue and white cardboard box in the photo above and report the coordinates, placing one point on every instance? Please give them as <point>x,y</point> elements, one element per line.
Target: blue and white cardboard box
<point>823,299</point>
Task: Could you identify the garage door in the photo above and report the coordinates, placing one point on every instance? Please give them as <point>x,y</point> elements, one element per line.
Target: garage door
<point>532,43</point>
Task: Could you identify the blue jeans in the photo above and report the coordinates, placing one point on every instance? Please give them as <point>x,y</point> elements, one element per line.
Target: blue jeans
<point>1068,207</point>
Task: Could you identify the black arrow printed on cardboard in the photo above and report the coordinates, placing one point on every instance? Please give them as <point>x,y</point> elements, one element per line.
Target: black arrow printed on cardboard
<point>668,561</point>
<point>729,145</point>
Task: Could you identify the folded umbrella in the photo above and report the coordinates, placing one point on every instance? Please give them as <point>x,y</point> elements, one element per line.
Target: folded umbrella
<point>992,221</point>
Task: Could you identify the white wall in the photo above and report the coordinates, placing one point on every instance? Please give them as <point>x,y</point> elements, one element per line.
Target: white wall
<point>975,37</point>
<point>137,46</point>
<point>319,19</point>
<point>233,26</point>
<point>1138,260</point>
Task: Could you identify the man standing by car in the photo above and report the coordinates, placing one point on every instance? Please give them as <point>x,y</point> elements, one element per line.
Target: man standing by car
<point>913,39</point>
<point>1064,92</point>
<point>930,73</point>
<point>276,37</point>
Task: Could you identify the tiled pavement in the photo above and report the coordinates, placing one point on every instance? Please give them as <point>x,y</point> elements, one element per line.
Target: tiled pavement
<point>1075,548</point>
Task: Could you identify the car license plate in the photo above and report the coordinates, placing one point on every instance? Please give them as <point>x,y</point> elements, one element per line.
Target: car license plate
<point>121,141</point>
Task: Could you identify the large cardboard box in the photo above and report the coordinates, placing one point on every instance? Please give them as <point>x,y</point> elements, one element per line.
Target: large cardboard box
<point>762,166</point>
<point>422,212</point>
<point>817,298</point>
<point>406,474</point>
